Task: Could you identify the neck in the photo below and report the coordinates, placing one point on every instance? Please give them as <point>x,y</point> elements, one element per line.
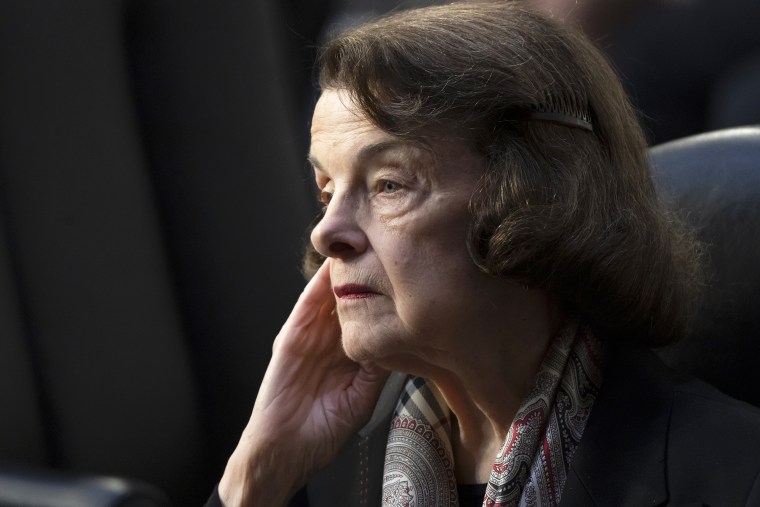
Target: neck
<point>484,369</point>
<point>485,385</point>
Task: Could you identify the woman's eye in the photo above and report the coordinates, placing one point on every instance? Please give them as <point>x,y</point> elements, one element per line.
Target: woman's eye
<point>389,187</point>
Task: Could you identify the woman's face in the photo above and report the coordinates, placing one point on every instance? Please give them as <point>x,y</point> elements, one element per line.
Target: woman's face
<point>395,225</point>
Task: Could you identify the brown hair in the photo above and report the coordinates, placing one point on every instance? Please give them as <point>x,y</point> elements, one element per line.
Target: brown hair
<point>559,208</point>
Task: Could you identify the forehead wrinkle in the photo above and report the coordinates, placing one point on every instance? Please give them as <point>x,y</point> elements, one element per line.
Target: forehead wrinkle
<point>338,121</point>
<point>367,152</point>
<point>370,151</point>
<point>332,134</point>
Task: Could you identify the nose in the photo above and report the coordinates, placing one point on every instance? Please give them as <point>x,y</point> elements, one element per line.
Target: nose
<point>338,234</point>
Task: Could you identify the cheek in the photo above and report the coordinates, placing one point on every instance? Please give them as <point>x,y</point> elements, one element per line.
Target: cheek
<point>430,282</point>
<point>424,254</point>
<point>442,249</point>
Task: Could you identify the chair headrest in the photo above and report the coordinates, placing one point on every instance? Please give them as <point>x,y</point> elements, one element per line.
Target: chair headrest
<point>714,180</point>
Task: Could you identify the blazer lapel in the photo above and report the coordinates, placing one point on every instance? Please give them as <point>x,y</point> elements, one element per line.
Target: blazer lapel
<point>355,477</point>
<point>621,458</point>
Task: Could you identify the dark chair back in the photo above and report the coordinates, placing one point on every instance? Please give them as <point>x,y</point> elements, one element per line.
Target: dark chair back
<point>714,179</point>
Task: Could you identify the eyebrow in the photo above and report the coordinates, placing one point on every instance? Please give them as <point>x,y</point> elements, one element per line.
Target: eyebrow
<point>368,151</point>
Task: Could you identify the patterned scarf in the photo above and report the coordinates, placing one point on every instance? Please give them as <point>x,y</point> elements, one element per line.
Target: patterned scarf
<point>532,465</point>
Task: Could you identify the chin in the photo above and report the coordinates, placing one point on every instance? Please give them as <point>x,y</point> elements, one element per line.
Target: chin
<point>357,350</point>
<point>360,344</point>
<point>388,351</point>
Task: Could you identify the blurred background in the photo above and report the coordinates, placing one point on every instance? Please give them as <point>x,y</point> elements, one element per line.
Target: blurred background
<point>154,200</point>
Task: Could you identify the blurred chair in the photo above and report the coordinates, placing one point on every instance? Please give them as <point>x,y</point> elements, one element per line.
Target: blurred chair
<point>714,179</point>
<point>45,488</point>
<point>152,211</point>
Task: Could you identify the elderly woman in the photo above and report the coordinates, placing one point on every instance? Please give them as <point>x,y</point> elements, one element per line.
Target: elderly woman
<point>492,236</point>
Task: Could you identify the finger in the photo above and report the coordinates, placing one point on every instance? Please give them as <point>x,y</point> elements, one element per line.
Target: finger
<point>316,298</point>
<point>318,289</point>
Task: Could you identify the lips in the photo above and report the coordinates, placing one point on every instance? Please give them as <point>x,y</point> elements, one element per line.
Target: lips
<point>354,291</point>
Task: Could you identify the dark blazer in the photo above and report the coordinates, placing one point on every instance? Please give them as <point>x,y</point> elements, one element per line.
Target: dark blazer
<point>654,437</point>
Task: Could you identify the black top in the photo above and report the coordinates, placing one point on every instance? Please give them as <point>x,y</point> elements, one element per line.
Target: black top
<point>471,495</point>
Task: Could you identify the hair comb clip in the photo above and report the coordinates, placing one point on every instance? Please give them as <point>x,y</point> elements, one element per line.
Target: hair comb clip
<point>566,111</point>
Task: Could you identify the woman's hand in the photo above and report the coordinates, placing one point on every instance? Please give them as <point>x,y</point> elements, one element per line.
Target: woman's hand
<point>311,400</point>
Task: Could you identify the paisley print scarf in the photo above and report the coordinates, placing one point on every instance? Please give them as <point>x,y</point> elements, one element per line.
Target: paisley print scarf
<point>532,465</point>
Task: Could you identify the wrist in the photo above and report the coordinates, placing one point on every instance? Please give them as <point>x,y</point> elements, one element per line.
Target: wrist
<point>256,479</point>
